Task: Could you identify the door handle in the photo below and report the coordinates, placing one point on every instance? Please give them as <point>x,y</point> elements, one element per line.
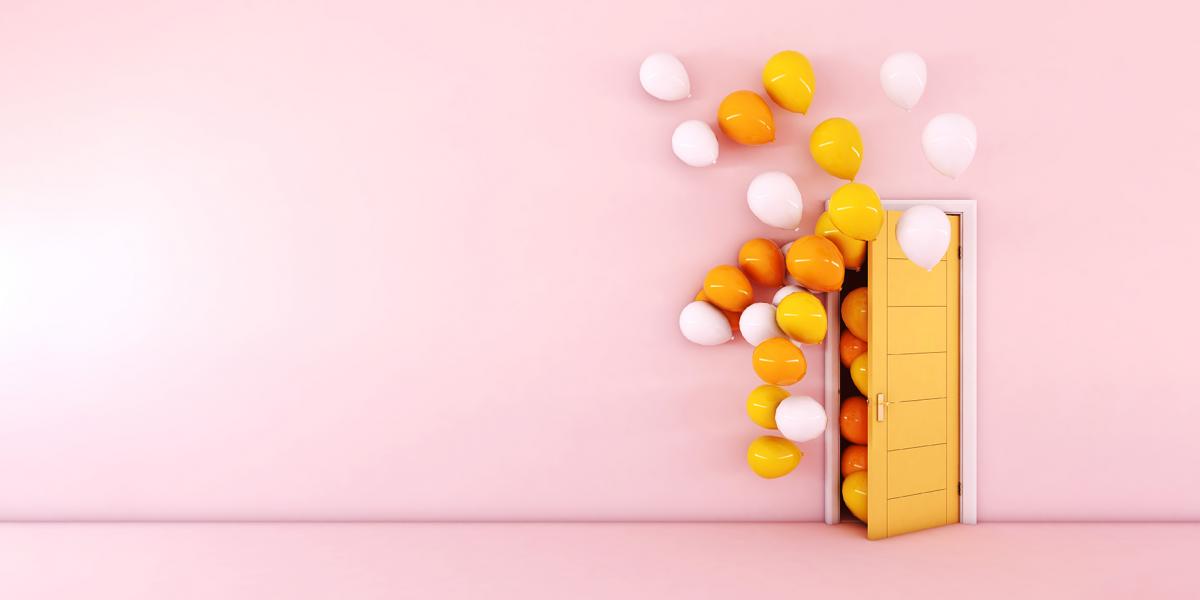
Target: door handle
<point>880,411</point>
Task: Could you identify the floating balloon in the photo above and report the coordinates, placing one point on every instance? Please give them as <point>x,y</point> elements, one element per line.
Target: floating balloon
<point>858,373</point>
<point>856,211</point>
<point>745,117</point>
<point>837,147</point>
<point>732,317</point>
<point>703,324</point>
<point>761,404</point>
<point>949,142</point>
<point>774,198</point>
<point>903,78</point>
<point>854,313</point>
<point>800,418</point>
<point>816,263</point>
<point>924,235</point>
<point>757,323</point>
<point>802,317</point>
<point>788,79</point>
<point>784,292</point>
<point>728,289</point>
<point>853,420</point>
<point>695,144</point>
<point>664,77</point>
<point>850,347</point>
<point>762,262</point>
<point>854,252</point>
<point>778,361</point>
<point>854,458</point>
<point>771,456</point>
<point>854,494</point>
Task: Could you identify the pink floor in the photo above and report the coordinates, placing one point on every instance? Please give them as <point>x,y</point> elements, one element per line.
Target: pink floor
<point>795,560</point>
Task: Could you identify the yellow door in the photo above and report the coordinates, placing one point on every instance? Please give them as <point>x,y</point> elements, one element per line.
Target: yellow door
<point>913,358</point>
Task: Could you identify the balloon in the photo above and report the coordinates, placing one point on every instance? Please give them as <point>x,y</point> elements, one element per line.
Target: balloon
<point>664,77</point>
<point>837,147</point>
<point>762,262</point>
<point>788,79</point>
<point>778,361</point>
<point>858,373</point>
<point>771,456</point>
<point>924,235</point>
<point>802,316</point>
<point>762,403</point>
<point>854,252</point>
<point>854,419</point>
<point>903,78</point>
<point>850,347</point>
<point>854,458</point>
<point>745,117</point>
<point>732,317</point>
<point>695,144</point>
<point>854,493</point>
<point>856,211</point>
<point>800,418</point>
<point>703,324</point>
<point>784,292</point>
<point>728,289</point>
<point>854,313</point>
<point>816,263</point>
<point>949,141</point>
<point>757,323</point>
<point>774,198</point>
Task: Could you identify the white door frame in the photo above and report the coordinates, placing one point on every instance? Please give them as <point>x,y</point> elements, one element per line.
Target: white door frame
<point>968,338</point>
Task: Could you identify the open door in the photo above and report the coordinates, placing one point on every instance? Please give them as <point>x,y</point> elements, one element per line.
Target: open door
<point>913,389</point>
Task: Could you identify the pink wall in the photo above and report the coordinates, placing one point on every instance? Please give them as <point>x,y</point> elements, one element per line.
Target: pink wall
<point>283,260</point>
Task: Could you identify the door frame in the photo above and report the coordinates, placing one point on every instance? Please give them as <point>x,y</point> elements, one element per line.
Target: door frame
<point>967,211</point>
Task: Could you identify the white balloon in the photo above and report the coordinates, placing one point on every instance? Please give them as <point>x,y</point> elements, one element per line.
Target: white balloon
<point>949,142</point>
<point>903,78</point>
<point>664,77</point>
<point>695,143</point>
<point>704,324</point>
<point>800,418</point>
<point>775,200</point>
<point>784,291</point>
<point>757,323</point>
<point>924,235</point>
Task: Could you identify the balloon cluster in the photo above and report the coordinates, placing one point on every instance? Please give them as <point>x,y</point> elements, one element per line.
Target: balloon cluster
<point>810,264</point>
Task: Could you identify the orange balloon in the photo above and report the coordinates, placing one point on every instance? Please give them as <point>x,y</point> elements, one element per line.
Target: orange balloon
<point>733,317</point>
<point>728,289</point>
<point>849,347</point>
<point>762,262</point>
<point>854,252</point>
<point>816,263</point>
<point>854,458</point>
<point>745,117</point>
<point>854,419</point>
<point>854,313</point>
<point>779,362</point>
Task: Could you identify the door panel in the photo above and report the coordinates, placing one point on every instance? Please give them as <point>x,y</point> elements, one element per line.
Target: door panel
<point>916,329</point>
<point>913,363</point>
<point>910,285</point>
<point>916,470</point>
<point>916,423</point>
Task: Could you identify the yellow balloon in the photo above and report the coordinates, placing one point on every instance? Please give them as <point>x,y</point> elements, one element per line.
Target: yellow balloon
<point>854,252</point>
<point>788,78</point>
<point>854,492</point>
<point>856,211</point>
<point>772,456</point>
<point>854,312</point>
<point>836,146</point>
<point>802,317</point>
<point>762,403</point>
<point>858,372</point>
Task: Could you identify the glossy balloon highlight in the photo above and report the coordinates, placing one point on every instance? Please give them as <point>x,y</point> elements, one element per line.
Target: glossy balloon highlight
<point>837,147</point>
<point>745,117</point>
<point>816,264</point>
<point>779,362</point>
<point>789,81</point>
<point>772,456</point>
<point>856,211</point>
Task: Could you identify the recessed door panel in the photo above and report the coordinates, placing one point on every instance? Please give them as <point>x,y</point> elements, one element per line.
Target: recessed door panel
<point>916,423</point>
<point>916,329</point>
<point>910,285</point>
<point>919,511</point>
<point>915,470</point>
<point>916,376</point>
